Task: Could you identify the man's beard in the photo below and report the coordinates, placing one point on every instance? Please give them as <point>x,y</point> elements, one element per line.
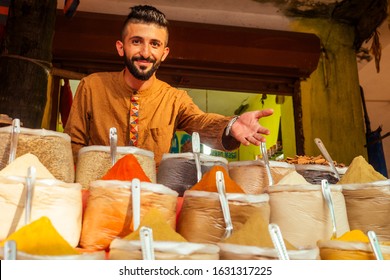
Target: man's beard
<point>141,74</point>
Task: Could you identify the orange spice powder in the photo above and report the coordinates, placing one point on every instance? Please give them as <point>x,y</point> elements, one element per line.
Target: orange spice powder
<point>208,182</point>
<point>126,168</point>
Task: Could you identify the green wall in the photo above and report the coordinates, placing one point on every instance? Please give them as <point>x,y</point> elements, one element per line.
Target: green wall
<point>272,123</point>
<point>331,102</point>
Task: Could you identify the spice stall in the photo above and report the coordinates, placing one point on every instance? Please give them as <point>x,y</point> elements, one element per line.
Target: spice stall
<point>222,215</point>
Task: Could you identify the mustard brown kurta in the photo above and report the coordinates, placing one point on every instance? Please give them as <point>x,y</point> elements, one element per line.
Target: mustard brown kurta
<point>102,101</point>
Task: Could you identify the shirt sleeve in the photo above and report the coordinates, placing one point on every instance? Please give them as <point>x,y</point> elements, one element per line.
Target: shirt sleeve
<point>77,124</point>
<point>210,126</point>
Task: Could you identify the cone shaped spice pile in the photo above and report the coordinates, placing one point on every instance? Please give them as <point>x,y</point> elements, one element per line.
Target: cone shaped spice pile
<point>353,236</point>
<point>254,233</point>
<point>208,182</point>
<point>41,238</point>
<point>360,171</point>
<point>162,231</point>
<point>126,168</point>
<point>19,167</point>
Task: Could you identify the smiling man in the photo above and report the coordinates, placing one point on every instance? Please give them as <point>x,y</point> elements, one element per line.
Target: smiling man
<point>145,110</point>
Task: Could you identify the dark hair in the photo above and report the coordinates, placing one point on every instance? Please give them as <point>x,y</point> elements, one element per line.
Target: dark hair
<point>145,14</point>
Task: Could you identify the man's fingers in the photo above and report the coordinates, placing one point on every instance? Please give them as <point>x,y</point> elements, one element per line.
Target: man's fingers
<point>263,130</point>
<point>254,139</point>
<point>264,113</point>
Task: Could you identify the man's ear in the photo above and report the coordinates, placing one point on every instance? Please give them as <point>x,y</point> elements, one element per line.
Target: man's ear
<point>119,47</point>
<point>166,52</point>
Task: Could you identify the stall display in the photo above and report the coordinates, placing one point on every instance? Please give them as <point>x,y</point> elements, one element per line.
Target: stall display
<point>204,223</point>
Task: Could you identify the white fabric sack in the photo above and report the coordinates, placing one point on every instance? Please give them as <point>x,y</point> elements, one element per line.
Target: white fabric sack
<point>121,249</point>
<point>60,202</point>
<point>302,213</point>
<point>241,252</point>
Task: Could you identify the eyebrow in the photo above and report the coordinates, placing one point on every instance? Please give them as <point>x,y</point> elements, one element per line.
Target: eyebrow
<point>135,37</point>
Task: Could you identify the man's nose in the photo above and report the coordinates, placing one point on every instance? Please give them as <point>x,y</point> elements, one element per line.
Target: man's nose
<point>145,51</point>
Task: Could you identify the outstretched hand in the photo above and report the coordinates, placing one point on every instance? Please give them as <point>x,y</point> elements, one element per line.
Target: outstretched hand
<point>247,129</point>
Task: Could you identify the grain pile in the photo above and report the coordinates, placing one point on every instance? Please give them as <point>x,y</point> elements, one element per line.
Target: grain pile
<point>52,148</point>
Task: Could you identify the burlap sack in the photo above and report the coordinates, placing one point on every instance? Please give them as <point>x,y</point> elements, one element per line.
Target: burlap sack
<point>201,217</point>
<point>368,207</point>
<point>60,202</point>
<point>121,249</point>
<point>108,213</point>
<point>303,215</point>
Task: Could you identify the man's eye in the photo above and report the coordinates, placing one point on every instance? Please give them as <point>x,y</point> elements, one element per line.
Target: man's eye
<point>156,44</point>
<point>136,42</point>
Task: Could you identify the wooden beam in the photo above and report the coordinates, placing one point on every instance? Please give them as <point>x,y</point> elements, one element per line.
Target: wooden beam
<point>249,59</point>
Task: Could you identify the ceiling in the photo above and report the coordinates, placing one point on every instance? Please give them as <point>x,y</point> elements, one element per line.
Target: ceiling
<point>224,12</point>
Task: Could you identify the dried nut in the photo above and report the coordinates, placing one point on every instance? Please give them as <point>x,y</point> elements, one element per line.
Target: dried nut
<point>320,161</point>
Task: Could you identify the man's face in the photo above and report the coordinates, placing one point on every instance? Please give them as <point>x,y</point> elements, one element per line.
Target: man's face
<point>143,49</point>
<point>137,66</point>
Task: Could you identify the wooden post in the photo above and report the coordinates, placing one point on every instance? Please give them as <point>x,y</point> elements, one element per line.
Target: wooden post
<point>299,135</point>
<point>25,60</point>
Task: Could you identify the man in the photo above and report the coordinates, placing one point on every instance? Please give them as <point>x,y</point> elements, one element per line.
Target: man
<point>146,111</point>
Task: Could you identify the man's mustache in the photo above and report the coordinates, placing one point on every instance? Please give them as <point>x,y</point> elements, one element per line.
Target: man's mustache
<point>136,58</point>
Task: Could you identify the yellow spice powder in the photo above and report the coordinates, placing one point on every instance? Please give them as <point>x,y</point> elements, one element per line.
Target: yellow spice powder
<point>360,171</point>
<point>254,233</point>
<point>354,236</point>
<point>41,238</point>
<point>162,231</point>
